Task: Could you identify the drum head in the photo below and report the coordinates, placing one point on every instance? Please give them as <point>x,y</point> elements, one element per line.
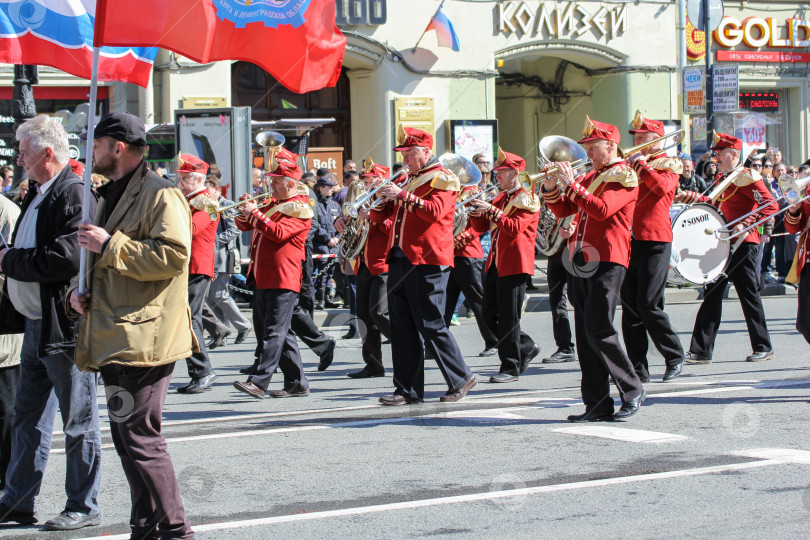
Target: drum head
<point>701,257</point>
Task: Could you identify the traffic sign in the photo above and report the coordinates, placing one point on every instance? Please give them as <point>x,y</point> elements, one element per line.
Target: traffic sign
<point>696,11</point>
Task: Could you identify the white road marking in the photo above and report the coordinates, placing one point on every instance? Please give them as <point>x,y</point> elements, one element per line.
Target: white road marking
<point>622,434</point>
<point>470,498</point>
<point>786,455</point>
<point>544,402</point>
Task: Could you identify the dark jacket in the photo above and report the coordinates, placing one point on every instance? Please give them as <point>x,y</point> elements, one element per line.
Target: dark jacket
<point>313,201</point>
<point>54,262</point>
<point>327,211</point>
<point>227,237</point>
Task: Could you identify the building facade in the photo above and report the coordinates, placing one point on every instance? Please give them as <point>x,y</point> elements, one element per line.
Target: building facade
<point>533,68</point>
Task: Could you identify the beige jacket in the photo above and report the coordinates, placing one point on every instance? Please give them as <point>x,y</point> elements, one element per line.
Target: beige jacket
<point>139,313</point>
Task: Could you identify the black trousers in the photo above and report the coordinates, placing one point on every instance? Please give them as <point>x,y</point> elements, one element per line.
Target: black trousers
<point>557,277</point>
<point>416,302</point>
<point>9,378</point>
<point>643,306</point>
<point>372,310</point>
<point>503,303</point>
<point>600,352</point>
<point>467,277</point>
<point>305,328</point>
<point>199,365</point>
<point>743,273</point>
<point>306,298</point>
<point>272,316</point>
<point>803,314</point>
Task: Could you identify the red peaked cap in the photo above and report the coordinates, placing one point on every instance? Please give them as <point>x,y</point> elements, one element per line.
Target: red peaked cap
<point>509,161</point>
<point>285,163</point>
<point>599,130</point>
<point>76,166</point>
<point>192,164</point>
<point>377,170</point>
<point>410,137</point>
<point>645,125</point>
<point>722,140</point>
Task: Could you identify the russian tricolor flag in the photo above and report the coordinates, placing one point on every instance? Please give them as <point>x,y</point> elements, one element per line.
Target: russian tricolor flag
<point>445,33</point>
<point>59,33</point>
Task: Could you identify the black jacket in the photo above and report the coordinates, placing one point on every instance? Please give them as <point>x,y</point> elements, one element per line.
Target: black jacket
<point>327,211</point>
<point>53,264</point>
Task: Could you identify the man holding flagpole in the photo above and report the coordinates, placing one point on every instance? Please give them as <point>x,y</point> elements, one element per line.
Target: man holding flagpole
<point>135,318</point>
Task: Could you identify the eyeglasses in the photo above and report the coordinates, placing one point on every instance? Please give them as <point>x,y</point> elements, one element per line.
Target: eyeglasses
<point>756,165</point>
<point>482,162</point>
<point>768,166</point>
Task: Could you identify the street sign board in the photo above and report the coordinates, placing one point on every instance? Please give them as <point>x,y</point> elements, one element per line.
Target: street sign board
<point>694,90</point>
<point>696,11</point>
<point>726,95</point>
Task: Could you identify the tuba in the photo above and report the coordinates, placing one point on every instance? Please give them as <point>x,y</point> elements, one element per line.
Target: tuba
<point>355,233</point>
<point>552,149</point>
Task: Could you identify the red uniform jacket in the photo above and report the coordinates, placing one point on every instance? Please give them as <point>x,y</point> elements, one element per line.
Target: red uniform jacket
<point>657,183</point>
<point>468,245</point>
<point>746,192</point>
<point>203,234</point>
<point>376,249</point>
<point>797,223</point>
<point>423,216</point>
<point>277,245</point>
<point>512,220</point>
<point>604,216</point>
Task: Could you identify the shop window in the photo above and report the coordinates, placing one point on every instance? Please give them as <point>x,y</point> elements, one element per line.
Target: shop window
<point>254,87</point>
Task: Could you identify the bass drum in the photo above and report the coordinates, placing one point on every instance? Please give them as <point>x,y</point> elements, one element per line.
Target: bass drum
<point>697,257</point>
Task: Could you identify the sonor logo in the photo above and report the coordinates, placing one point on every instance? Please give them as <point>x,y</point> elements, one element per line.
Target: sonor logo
<point>695,220</point>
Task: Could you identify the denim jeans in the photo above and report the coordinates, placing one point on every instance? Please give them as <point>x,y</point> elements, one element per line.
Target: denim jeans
<point>47,384</point>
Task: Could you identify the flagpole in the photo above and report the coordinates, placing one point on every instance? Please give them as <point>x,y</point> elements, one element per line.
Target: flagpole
<point>88,164</point>
<point>425,30</point>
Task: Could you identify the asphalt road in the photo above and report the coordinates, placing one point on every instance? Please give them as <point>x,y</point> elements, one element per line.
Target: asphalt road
<point>722,452</point>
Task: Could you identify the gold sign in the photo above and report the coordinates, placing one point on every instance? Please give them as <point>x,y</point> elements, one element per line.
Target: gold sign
<point>414,112</point>
<point>204,102</point>
<point>569,20</point>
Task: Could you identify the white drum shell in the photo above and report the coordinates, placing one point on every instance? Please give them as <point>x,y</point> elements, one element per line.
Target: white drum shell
<point>697,257</point>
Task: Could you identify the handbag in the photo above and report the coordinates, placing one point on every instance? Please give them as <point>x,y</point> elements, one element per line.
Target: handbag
<point>233,264</point>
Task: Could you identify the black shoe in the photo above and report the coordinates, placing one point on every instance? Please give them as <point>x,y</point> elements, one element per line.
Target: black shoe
<point>644,379</point>
<point>332,305</point>
<point>503,378</point>
<point>219,341</point>
<point>68,521</point>
<point>319,305</point>
<point>250,370</point>
<point>524,363</point>
<point>559,356</point>
<point>351,334</point>
<point>365,373</point>
<point>328,356</point>
<point>591,416</point>
<point>672,372</point>
<point>9,515</point>
<point>489,351</point>
<point>241,336</point>
<point>198,385</point>
<point>760,356</point>
<point>692,358</point>
<point>629,408</point>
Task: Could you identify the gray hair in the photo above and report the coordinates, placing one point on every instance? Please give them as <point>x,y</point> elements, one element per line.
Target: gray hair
<point>45,132</point>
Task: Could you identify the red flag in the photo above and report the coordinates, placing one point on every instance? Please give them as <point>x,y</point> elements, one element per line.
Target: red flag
<point>296,41</point>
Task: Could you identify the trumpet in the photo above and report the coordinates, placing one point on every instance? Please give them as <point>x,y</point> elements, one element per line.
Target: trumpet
<point>354,209</point>
<point>679,134</point>
<point>484,195</point>
<point>462,211</point>
<point>214,211</point>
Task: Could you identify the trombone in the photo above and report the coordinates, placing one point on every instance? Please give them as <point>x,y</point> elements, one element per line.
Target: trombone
<point>215,210</point>
<point>791,189</point>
